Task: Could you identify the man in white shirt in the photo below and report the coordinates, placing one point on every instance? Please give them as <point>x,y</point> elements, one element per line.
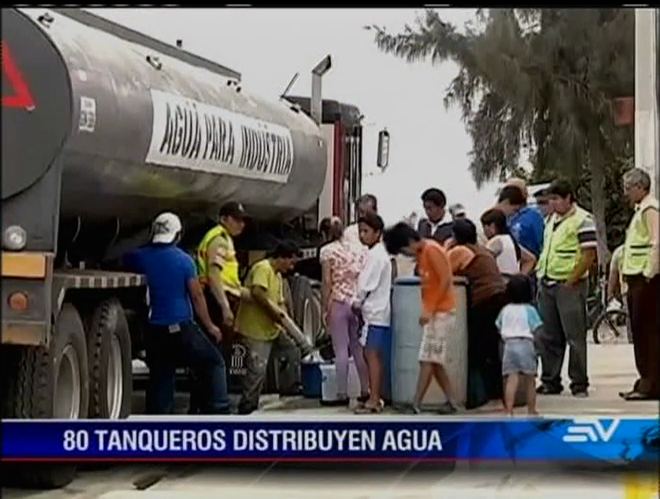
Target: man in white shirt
<point>373,301</point>
<point>438,224</point>
<point>365,205</point>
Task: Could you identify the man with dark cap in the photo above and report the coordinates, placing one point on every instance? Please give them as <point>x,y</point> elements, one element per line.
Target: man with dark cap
<point>218,271</point>
<point>218,265</point>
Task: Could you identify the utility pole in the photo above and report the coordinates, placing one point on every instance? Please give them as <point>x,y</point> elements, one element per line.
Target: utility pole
<point>647,86</point>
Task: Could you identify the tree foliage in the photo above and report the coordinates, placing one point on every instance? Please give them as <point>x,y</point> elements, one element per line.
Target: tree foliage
<point>538,83</point>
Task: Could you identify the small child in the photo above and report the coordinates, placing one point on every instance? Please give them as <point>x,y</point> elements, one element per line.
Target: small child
<point>518,323</point>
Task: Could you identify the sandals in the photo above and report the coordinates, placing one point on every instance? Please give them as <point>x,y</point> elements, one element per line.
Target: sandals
<point>363,398</point>
<point>634,395</point>
<point>370,409</point>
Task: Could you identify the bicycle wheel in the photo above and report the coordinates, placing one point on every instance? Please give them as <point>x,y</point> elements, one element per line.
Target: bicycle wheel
<point>609,326</point>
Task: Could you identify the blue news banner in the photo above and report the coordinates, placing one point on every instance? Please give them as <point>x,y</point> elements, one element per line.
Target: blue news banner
<point>617,440</point>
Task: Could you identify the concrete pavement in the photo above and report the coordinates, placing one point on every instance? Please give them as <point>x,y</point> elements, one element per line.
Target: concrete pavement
<point>611,369</point>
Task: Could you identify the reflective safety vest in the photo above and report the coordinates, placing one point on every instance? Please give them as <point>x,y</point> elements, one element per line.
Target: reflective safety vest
<point>561,247</point>
<point>637,247</point>
<point>229,272</point>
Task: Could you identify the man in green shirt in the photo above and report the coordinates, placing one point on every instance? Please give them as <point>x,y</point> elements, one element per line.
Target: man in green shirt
<point>259,319</point>
<point>569,250</point>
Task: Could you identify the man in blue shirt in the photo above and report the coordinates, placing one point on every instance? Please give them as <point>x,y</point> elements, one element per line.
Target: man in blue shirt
<point>173,339</point>
<point>526,223</point>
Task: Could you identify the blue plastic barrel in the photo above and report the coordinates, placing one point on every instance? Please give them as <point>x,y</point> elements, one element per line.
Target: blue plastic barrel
<point>407,337</point>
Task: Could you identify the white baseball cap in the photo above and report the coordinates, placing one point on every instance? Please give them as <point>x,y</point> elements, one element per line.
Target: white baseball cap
<point>166,228</point>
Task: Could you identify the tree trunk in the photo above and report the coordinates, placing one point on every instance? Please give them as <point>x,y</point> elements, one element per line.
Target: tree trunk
<point>598,200</point>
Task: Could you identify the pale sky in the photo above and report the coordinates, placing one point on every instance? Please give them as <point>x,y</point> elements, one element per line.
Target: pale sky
<point>429,145</point>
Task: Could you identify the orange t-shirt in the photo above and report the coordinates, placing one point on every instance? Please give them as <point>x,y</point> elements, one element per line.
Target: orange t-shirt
<point>436,278</point>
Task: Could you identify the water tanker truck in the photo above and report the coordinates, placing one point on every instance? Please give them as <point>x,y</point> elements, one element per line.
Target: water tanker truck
<point>102,129</point>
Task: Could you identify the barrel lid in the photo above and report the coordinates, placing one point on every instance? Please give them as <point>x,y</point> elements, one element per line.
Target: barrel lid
<point>412,280</point>
<point>409,280</point>
<point>314,358</point>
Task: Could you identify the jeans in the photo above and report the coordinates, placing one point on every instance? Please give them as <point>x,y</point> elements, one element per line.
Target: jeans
<point>187,347</point>
<point>564,313</point>
<point>225,347</point>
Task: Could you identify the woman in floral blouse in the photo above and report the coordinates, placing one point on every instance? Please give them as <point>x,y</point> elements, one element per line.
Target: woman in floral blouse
<point>341,264</point>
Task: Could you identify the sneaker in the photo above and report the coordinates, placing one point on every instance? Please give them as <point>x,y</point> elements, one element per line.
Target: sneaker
<point>583,394</point>
<point>548,390</point>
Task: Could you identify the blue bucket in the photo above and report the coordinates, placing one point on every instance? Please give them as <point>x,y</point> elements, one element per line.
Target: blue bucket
<point>311,378</point>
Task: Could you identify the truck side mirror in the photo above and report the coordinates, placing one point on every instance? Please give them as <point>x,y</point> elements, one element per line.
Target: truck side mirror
<point>383,149</point>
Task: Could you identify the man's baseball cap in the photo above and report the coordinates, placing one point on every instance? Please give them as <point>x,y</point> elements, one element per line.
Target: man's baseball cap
<point>166,228</point>
<point>457,210</point>
<point>233,209</point>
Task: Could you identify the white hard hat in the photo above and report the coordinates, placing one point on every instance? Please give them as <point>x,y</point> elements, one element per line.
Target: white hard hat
<point>166,228</point>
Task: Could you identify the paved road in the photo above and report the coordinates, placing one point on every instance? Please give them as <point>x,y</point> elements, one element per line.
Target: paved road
<point>278,481</point>
<point>610,369</point>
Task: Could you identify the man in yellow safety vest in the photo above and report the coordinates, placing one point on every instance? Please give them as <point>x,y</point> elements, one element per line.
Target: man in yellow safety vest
<point>569,250</point>
<point>641,272</point>
<point>218,266</point>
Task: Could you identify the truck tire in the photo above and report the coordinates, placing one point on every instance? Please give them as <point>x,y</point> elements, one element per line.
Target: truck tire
<point>110,366</point>
<point>51,383</point>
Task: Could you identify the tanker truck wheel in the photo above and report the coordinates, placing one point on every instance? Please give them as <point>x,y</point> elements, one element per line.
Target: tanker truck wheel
<point>110,368</point>
<point>51,383</point>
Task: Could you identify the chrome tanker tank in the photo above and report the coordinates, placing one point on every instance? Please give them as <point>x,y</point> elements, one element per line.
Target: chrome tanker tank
<point>137,131</point>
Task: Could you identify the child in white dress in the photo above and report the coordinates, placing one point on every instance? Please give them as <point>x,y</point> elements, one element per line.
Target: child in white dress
<point>518,323</point>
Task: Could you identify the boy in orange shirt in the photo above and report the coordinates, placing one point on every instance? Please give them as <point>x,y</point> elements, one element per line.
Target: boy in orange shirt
<point>438,316</point>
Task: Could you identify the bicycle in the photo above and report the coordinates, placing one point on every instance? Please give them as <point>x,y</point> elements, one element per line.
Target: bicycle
<point>607,325</point>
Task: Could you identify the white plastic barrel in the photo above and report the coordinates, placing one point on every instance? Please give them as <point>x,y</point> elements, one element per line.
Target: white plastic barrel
<point>407,337</point>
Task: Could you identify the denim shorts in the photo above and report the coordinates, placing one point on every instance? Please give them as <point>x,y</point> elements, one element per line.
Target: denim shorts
<point>519,356</point>
<point>379,338</point>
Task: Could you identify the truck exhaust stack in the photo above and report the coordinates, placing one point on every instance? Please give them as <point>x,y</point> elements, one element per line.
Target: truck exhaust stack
<point>317,86</point>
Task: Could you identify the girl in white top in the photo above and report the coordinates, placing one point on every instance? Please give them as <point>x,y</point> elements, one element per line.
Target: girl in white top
<point>510,256</point>
<point>372,301</point>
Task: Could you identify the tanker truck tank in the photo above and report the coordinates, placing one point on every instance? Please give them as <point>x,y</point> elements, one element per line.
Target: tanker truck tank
<point>137,131</point>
